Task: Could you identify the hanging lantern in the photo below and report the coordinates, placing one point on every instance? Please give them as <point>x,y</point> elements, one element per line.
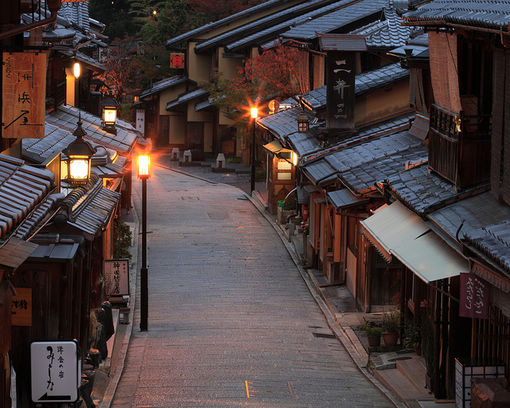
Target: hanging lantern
<point>303,123</point>
<point>109,108</point>
<point>78,158</point>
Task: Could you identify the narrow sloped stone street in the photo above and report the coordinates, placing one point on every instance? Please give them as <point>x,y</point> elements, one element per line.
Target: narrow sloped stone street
<point>231,322</point>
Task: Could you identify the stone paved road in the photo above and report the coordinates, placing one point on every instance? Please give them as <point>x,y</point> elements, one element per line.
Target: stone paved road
<point>231,323</point>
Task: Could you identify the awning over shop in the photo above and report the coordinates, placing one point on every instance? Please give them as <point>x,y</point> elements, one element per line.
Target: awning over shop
<point>344,198</point>
<point>396,231</point>
<point>273,147</point>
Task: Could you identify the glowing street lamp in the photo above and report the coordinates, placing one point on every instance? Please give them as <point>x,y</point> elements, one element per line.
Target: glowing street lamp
<point>254,112</point>
<point>78,158</point>
<point>110,109</point>
<point>144,161</point>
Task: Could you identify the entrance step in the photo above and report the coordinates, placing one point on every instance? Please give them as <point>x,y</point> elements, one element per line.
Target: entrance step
<point>399,384</point>
<point>414,370</point>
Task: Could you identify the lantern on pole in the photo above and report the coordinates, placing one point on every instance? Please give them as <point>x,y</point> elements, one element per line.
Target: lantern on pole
<point>78,158</point>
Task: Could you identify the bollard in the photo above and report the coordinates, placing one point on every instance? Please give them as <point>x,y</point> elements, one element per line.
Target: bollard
<point>174,156</point>
<point>220,161</point>
<point>187,156</point>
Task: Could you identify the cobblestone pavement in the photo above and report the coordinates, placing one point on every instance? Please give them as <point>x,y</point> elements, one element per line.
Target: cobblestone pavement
<point>231,323</point>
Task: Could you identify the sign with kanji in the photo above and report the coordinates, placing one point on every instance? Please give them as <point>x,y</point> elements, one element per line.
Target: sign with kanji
<point>474,297</point>
<point>340,89</point>
<point>23,94</point>
<point>55,371</point>
<point>116,277</point>
<point>140,120</point>
<point>177,60</point>
<point>21,307</point>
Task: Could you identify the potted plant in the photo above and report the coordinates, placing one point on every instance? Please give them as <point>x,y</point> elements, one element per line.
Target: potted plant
<point>412,337</point>
<point>391,327</point>
<point>373,333</point>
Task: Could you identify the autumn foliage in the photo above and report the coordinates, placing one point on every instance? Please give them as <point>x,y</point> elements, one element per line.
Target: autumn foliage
<point>279,72</point>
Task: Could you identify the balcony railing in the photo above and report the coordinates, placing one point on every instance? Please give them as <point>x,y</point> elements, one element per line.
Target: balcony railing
<point>36,13</point>
<point>459,148</point>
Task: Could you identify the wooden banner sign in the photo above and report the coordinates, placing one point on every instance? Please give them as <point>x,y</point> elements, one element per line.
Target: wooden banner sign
<point>116,277</point>
<point>474,297</point>
<point>21,307</point>
<point>23,94</point>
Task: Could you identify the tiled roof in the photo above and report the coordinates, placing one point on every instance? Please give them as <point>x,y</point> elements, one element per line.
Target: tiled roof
<point>37,215</point>
<point>43,150</point>
<point>319,171</point>
<point>493,241</point>
<point>486,13</point>
<point>335,20</point>
<point>386,33</point>
<point>346,159</point>
<point>22,188</point>
<point>365,82</point>
<point>229,19</point>
<point>421,191</point>
<point>255,25</point>
<point>472,213</point>
<point>66,117</point>
<point>364,177</point>
<point>197,93</point>
<point>281,124</point>
<point>76,13</point>
<point>272,32</point>
<point>91,208</point>
<point>344,198</point>
<point>304,143</point>
<point>84,58</point>
<point>160,86</point>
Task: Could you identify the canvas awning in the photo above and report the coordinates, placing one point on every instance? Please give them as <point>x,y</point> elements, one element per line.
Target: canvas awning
<point>396,231</point>
<point>274,147</point>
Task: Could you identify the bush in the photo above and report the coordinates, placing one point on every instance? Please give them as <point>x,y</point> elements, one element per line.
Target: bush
<point>290,203</point>
<point>121,239</point>
<point>412,335</point>
<point>371,329</point>
<point>391,321</point>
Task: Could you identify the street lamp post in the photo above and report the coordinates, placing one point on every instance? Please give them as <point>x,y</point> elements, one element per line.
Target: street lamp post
<point>143,174</point>
<point>254,111</point>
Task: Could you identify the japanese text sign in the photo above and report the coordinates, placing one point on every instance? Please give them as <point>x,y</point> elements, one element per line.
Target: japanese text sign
<point>177,60</point>
<point>55,371</point>
<point>116,277</point>
<point>340,89</point>
<point>23,94</point>
<point>21,307</point>
<point>474,297</point>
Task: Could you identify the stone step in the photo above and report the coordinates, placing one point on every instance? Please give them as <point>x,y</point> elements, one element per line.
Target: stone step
<point>414,370</point>
<point>399,384</point>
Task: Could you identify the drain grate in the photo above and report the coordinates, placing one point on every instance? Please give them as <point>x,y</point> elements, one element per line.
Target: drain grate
<point>324,335</point>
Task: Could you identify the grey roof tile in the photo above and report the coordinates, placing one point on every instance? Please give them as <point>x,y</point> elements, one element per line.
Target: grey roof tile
<point>335,20</point>
<point>197,93</point>
<point>364,177</point>
<point>481,13</point>
<point>229,19</point>
<point>272,32</point>
<point>22,188</point>
<point>420,190</point>
<point>165,83</point>
<point>281,124</point>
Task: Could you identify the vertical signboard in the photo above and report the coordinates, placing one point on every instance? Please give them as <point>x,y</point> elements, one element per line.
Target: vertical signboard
<point>340,89</point>
<point>55,371</point>
<point>23,94</point>
<point>474,297</point>
<point>116,277</point>
<point>177,60</point>
<point>21,307</point>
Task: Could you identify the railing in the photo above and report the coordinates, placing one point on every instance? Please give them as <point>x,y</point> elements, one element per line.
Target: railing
<point>459,148</point>
<point>38,12</point>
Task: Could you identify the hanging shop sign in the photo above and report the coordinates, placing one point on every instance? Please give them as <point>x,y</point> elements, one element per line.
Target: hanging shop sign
<point>177,60</point>
<point>140,120</point>
<point>116,277</point>
<point>21,307</point>
<point>23,94</point>
<point>474,297</point>
<point>55,371</point>
<point>340,89</point>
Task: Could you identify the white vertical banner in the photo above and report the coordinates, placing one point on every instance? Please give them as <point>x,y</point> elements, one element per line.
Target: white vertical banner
<point>140,120</point>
